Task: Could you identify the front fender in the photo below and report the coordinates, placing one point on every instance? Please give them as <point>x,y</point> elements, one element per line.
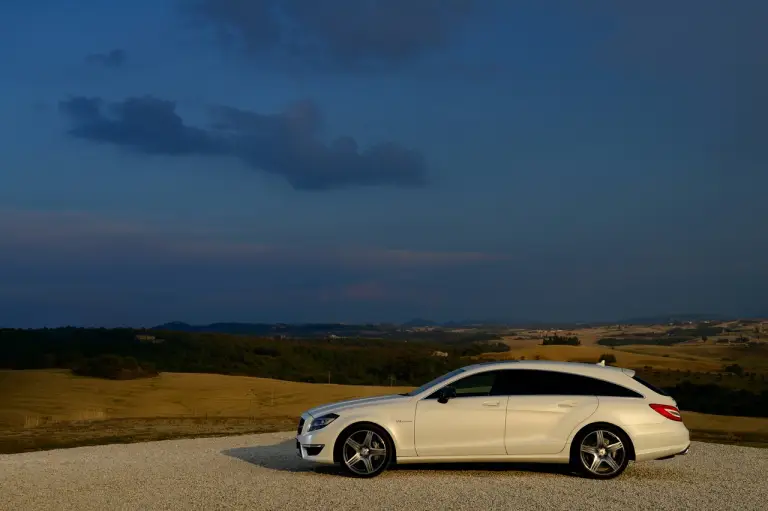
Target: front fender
<point>402,437</point>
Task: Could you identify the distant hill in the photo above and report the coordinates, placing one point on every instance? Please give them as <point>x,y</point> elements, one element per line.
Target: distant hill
<point>342,329</point>
<point>416,322</point>
<point>674,318</point>
<point>298,330</point>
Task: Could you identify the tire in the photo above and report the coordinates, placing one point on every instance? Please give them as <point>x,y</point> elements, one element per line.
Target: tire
<point>600,451</point>
<point>364,450</point>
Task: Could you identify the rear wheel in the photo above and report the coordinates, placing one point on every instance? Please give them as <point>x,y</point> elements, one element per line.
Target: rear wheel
<point>365,450</point>
<point>600,452</point>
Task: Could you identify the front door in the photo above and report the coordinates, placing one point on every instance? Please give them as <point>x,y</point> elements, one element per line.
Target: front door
<point>470,424</point>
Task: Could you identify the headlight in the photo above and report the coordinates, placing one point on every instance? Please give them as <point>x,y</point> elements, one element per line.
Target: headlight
<point>323,421</point>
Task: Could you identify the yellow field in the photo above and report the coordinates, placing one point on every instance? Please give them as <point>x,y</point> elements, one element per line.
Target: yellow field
<point>697,355</point>
<point>587,336</point>
<point>35,397</point>
<point>692,355</point>
<point>720,427</point>
<point>624,357</point>
<point>53,408</point>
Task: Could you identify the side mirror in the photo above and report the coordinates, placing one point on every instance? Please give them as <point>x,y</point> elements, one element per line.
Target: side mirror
<point>445,394</point>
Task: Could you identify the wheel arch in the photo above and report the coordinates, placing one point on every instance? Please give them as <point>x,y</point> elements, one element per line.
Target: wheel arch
<point>341,437</point>
<point>598,424</point>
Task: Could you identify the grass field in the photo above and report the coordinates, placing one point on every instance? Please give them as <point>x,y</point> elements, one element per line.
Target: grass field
<point>691,355</point>
<point>751,431</point>
<point>53,408</point>
<point>588,336</point>
<point>624,358</point>
<point>696,355</point>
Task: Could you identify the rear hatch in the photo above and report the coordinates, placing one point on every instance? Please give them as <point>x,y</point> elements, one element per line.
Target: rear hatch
<point>662,403</point>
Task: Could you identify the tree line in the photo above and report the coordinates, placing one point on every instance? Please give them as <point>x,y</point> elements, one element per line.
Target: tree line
<point>561,340</point>
<point>719,400</point>
<point>349,360</point>
<point>119,354</point>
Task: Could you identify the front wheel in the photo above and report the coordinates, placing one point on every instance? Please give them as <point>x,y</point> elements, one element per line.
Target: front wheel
<point>600,452</point>
<point>365,450</point>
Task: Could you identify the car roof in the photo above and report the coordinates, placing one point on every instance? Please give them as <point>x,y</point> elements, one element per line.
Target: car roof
<point>549,365</point>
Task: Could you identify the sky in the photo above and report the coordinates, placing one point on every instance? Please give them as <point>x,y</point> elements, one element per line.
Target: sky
<point>350,160</point>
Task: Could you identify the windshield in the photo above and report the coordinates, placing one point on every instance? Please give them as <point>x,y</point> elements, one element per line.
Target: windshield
<point>437,380</point>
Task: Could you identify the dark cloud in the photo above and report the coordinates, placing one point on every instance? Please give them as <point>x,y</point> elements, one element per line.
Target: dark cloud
<point>147,125</point>
<point>352,34</point>
<point>114,58</point>
<point>287,144</point>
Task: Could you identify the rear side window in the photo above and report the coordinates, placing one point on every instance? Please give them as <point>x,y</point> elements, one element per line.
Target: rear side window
<point>533,382</point>
<point>608,389</point>
<point>650,386</point>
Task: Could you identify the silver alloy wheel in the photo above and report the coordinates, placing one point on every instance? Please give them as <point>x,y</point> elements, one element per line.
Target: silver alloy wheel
<point>364,452</point>
<point>602,452</point>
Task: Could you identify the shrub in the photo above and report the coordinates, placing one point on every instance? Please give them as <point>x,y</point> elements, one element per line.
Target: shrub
<point>478,348</point>
<point>609,358</point>
<point>648,341</point>
<point>114,367</point>
<point>561,340</point>
<point>734,369</point>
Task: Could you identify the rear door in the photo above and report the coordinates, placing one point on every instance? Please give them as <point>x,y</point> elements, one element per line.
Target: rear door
<point>543,408</point>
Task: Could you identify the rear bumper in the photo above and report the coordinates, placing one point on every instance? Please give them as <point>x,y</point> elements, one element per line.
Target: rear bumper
<point>681,453</point>
<point>662,440</point>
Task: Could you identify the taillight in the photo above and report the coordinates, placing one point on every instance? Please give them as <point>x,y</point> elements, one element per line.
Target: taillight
<point>668,411</point>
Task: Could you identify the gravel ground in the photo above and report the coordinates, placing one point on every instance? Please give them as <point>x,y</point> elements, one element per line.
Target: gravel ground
<point>263,472</point>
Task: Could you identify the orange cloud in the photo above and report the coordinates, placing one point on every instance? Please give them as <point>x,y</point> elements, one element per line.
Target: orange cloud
<point>87,235</point>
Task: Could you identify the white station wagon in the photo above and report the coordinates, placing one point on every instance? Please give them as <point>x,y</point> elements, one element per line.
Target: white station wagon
<point>593,417</point>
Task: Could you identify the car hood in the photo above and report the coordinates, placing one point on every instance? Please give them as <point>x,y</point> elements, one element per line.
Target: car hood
<point>354,403</point>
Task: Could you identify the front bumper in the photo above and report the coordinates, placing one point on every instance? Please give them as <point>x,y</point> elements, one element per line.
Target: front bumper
<point>316,446</point>
<point>308,451</point>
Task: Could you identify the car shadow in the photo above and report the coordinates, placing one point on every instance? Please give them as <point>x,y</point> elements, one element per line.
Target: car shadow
<point>282,456</point>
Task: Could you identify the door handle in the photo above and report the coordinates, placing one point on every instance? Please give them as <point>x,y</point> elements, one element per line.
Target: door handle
<point>567,404</point>
<point>490,403</point>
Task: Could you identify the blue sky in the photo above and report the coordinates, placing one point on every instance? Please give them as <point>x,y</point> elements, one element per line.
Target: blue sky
<point>288,160</point>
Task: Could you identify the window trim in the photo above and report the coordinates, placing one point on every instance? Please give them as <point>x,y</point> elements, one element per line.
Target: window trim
<point>460,376</point>
<point>434,395</point>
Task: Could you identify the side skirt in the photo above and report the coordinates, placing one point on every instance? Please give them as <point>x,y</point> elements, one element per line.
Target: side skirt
<point>553,458</point>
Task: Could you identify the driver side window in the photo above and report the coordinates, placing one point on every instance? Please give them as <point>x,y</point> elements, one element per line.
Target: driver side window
<point>475,385</point>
